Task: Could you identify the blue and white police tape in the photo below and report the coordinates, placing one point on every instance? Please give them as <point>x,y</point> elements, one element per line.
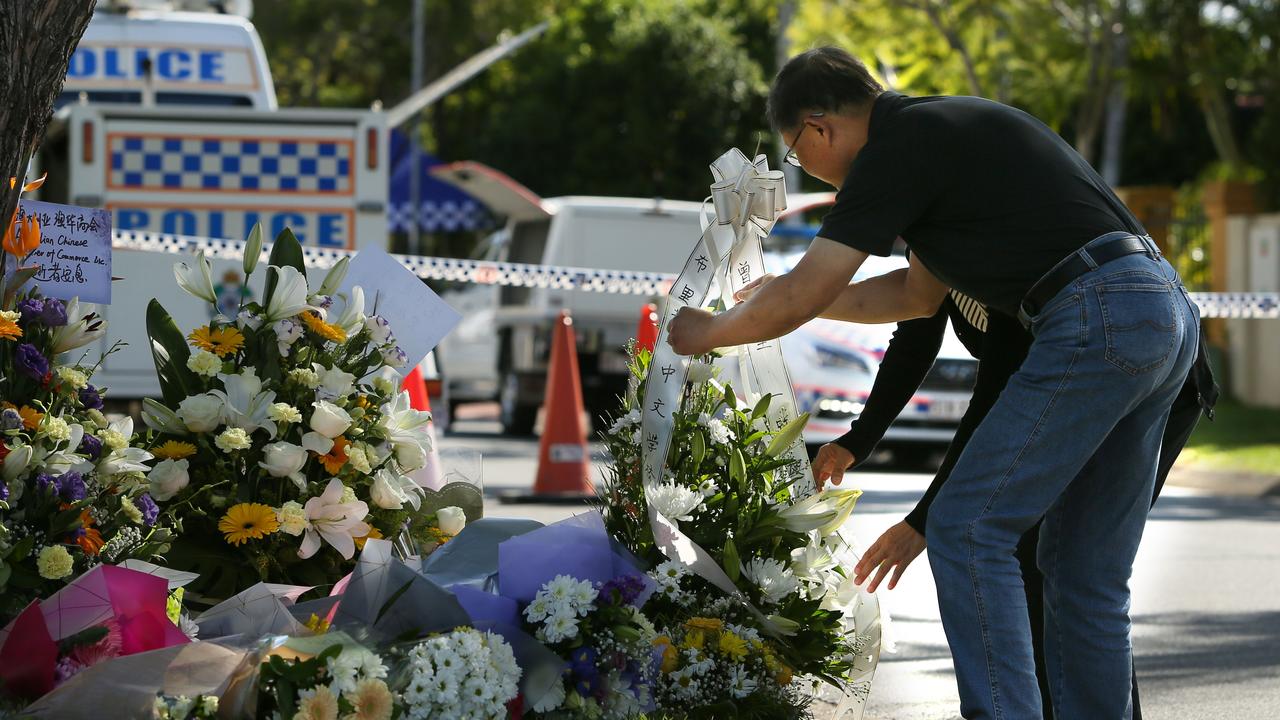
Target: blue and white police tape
<point>1248,305</point>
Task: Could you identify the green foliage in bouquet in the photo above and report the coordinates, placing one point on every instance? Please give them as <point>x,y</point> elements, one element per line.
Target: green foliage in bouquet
<point>73,489</point>
<point>729,487</point>
<point>282,440</point>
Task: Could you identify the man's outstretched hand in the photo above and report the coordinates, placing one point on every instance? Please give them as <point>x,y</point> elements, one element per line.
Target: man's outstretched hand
<point>891,552</point>
<point>690,332</point>
<point>830,464</point>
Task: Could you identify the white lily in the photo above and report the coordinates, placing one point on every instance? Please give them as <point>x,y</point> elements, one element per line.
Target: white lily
<point>129,459</point>
<point>334,382</point>
<point>161,418</point>
<point>352,318</point>
<point>390,491</point>
<point>401,423</point>
<point>337,523</point>
<point>333,279</point>
<point>246,405</point>
<point>16,462</point>
<point>824,512</point>
<point>253,249</point>
<point>813,561</point>
<point>197,281</point>
<point>83,327</point>
<point>290,295</point>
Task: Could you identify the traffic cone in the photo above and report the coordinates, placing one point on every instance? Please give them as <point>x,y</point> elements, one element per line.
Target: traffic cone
<point>647,333</point>
<point>564,465</point>
<point>427,476</point>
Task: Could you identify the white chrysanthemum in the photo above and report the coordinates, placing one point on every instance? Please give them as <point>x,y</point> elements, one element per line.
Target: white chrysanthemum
<point>720,433</point>
<point>772,577</point>
<point>583,596</point>
<point>305,377</point>
<point>203,362</point>
<point>537,610</point>
<point>675,501</point>
<point>741,684</point>
<point>708,487</point>
<point>559,626</point>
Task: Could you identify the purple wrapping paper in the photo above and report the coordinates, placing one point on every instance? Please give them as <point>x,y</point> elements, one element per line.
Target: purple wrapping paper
<point>578,546</point>
<point>485,607</point>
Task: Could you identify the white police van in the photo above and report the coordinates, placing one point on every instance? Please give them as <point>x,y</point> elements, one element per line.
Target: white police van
<point>169,120</point>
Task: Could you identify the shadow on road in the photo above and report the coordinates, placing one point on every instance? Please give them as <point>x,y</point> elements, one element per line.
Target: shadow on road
<point>1209,647</point>
<point>1216,507</point>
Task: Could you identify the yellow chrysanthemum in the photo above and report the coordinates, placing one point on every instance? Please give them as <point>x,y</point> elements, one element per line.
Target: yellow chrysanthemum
<point>328,331</point>
<point>703,623</point>
<point>9,330</point>
<point>732,645</point>
<point>374,534</point>
<point>174,450</point>
<point>248,521</point>
<point>694,640</point>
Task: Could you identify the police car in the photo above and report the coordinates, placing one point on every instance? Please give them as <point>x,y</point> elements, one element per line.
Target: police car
<point>168,119</point>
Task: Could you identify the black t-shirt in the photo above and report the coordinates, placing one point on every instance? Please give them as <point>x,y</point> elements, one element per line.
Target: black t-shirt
<point>987,196</point>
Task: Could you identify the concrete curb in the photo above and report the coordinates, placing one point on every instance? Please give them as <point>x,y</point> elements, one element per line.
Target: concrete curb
<point>1227,482</point>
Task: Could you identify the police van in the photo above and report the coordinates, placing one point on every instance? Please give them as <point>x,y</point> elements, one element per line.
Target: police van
<point>168,119</point>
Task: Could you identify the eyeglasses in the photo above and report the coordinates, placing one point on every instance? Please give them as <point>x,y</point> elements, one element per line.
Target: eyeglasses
<point>790,158</point>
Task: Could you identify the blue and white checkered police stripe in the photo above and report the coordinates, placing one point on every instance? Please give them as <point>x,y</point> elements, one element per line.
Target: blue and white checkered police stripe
<point>442,216</point>
<point>626,282</point>
<point>196,163</point>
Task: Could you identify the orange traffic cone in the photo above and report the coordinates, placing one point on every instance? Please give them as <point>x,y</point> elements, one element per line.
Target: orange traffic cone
<point>428,476</point>
<point>564,465</point>
<point>647,333</point>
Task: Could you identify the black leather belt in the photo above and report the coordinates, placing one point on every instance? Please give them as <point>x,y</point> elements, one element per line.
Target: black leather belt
<point>1084,260</point>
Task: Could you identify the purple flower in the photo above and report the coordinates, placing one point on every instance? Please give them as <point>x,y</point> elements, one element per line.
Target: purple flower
<point>71,486</point>
<point>90,446</point>
<point>627,587</point>
<point>582,663</point>
<point>4,491</point>
<point>44,481</point>
<point>90,398</point>
<point>54,313</point>
<point>30,309</point>
<point>149,509</point>
<point>10,420</point>
<point>31,362</point>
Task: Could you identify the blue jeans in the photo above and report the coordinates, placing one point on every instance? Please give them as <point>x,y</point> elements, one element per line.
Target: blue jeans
<point>1074,439</point>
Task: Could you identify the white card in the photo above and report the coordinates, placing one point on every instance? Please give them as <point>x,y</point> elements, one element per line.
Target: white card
<point>419,318</point>
<point>75,251</point>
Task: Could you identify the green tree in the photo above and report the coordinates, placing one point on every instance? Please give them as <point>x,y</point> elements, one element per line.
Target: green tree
<point>618,98</point>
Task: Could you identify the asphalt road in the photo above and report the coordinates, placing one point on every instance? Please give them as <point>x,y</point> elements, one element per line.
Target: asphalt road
<point>1206,607</point>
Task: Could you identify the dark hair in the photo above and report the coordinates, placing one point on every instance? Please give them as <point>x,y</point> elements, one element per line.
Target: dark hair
<point>825,79</point>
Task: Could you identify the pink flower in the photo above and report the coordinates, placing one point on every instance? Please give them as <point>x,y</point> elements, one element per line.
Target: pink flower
<point>337,522</point>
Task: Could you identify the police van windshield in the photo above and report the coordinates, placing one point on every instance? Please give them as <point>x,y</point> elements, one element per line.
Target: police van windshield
<point>134,97</point>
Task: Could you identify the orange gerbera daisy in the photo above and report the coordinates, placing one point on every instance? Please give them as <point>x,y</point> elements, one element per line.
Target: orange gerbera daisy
<point>328,331</point>
<point>9,330</point>
<point>374,534</point>
<point>91,541</point>
<point>174,450</point>
<point>222,341</point>
<point>248,521</point>
<point>337,455</point>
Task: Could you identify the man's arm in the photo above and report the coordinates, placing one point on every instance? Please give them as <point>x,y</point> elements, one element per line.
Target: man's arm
<point>900,295</point>
<point>777,308</point>
<point>907,360</point>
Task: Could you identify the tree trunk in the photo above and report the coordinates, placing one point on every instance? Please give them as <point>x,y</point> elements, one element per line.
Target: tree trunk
<point>1117,101</point>
<point>37,38</point>
<point>953,39</point>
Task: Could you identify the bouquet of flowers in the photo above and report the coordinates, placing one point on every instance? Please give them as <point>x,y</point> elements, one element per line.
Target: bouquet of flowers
<point>282,442</point>
<point>465,673</point>
<point>607,641</point>
<point>729,489</point>
<point>73,485</point>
